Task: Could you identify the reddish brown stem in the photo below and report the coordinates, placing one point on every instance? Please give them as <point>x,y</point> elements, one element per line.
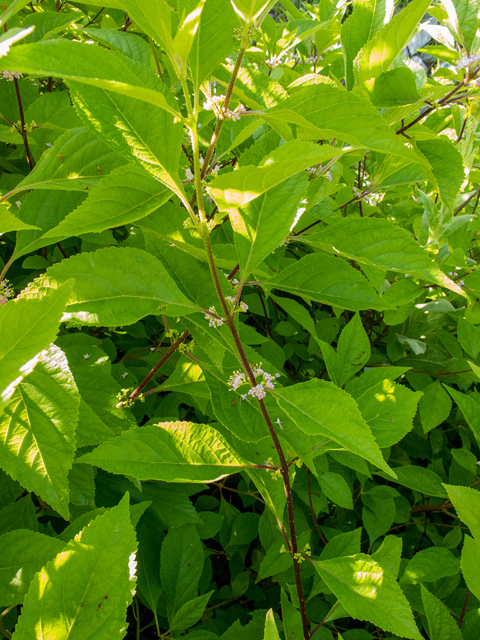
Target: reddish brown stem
<point>23,132</point>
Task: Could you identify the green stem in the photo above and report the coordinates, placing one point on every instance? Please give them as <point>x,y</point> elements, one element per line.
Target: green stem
<point>228,97</point>
<point>293,546</point>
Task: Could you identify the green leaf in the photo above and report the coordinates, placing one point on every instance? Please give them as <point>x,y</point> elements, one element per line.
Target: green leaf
<point>328,280</point>
<point>388,409</point>
<point>71,164</point>
<point>447,166</point>
<point>335,487</point>
<point>88,64</point>
<point>420,479</point>
<point>129,44</point>
<point>183,40</point>
<point>389,554</point>
<point>99,418</point>
<point>469,408</point>
<point>321,408</point>
<point>181,566</point>
<point>44,208</point>
<point>343,544</point>
<point>114,286</point>
<point>393,88</point>
<point>378,513</point>
<point>367,17</point>
<point>37,430</point>
<point>10,222</point>
<point>47,23</point>
<point>271,631</point>
<point>379,54</point>
<point>148,565</point>
<point>429,565</point>
<point>140,132</point>
<point>168,451</point>
<point>383,244</point>
<point>435,406</point>
<point>353,350</point>
<point>124,196</point>
<point>469,337</point>
<point>471,565</point>
<point>27,328</point>
<point>467,503</point>
<point>463,21</point>
<point>249,10</point>
<point>24,553</point>
<point>13,7</point>
<point>257,227</point>
<point>233,190</point>
<point>322,111</point>
<point>213,41</point>
<point>441,625</point>
<point>84,591</point>
<point>190,612</point>
<point>19,515</point>
<point>369,592</point>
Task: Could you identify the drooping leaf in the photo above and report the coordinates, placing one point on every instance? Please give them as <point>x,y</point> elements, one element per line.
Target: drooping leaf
<point>447,167</point>
<point>12,223</point>
<point>181,566</point>
<point>368,592</point>
<point>140,132</point>
<point>471,565</point>
<point>420,479</point>
<point>190,612</point>
<point>168,451</point>
<point>328,280</point>
<point>85,590</point>
<point>24,552</point>
<point>13,8</point>
<point>88,64</point>
<point>27,328</point>
<point>380,52</point>
<point>463,20</point>
<point>322,111</point>
<point>383,244</point>
<point>441,625</point>
<point>336,489</point>
<point>361,26</point>
<point>71,164</point>
<point>126,195</point>
<point>467,503</point>
<point>469,408</point>
<point>130,44</point>
<point>435,406</point>
<point>37,430</point>
<point>393,88</point>
<point>320,408</point>
<point>429,565</point>
<point>114,286</point>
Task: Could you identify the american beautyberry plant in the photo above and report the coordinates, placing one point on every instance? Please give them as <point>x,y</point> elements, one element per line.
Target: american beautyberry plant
<point>239,320</point>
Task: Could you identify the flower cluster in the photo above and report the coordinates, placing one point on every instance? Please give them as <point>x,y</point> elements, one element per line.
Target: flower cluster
<point>213,319</point>
<point>10,75</point>
<point>243,306</point>
<point>238,378</point>
<point>452,274</point>
<point>6,292</point>
<point>468,61</point>
<point>213,103</point>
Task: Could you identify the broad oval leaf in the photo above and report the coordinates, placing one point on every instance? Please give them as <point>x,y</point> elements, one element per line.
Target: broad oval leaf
<point>383,244</point>
<point>114,286</point>
<point>328,280</point>
<point>168,451</point>
<point>369,592</point>
<point>27,328</point>
<point>320,408</point>
<point>84,591</point>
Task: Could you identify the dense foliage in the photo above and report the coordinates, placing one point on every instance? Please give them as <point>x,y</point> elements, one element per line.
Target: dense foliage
<point>239,320</point>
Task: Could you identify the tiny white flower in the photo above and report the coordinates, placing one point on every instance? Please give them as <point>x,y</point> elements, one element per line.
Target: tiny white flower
<point>86,356</point>
<point>49,144</point>
<point>189,175</point>
<point>279,424</point>
<point>152,349</point>
<point>124,375</point>
<point>18,203</point>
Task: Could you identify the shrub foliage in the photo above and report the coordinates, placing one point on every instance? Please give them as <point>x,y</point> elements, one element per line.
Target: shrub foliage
<point>239,320</point>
